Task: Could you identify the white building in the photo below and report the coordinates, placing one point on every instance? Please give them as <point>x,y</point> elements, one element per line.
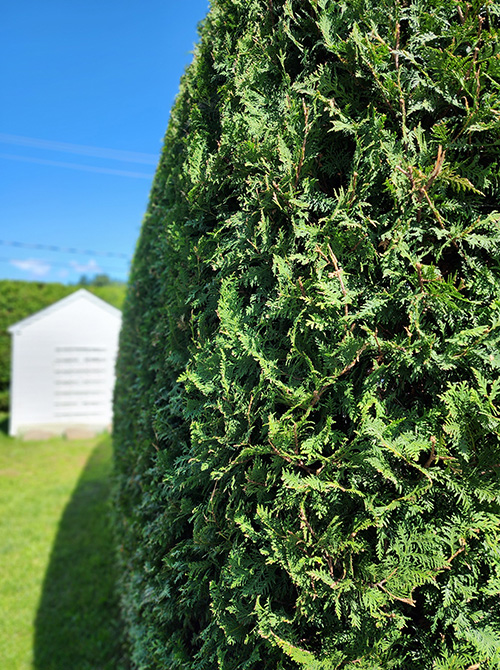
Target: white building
<point>63,367</point>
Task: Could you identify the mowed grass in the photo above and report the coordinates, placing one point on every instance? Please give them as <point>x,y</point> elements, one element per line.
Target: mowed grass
<point>58,608</point>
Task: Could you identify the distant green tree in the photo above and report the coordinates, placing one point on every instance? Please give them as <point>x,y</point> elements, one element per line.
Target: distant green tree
<point>307,421</point>
<point>101,280</point>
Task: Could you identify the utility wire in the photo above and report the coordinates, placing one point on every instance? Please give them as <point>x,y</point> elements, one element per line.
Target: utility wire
<point>80,149</point>
<point>78,166</point>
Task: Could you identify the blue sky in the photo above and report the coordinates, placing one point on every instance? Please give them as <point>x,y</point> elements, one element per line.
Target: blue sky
<point>87,89</point>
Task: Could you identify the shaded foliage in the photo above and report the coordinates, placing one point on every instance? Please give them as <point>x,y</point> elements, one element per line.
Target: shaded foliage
<point>307,426</point>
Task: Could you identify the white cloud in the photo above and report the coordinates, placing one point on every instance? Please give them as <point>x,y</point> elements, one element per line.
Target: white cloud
<point>86,268</point>
<point>35,266</point>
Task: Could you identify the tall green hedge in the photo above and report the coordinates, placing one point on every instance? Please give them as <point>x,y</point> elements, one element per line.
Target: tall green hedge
<point>308,402</point>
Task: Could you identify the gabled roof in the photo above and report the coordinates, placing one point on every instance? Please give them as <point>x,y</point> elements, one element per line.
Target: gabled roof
<point>56,306</point>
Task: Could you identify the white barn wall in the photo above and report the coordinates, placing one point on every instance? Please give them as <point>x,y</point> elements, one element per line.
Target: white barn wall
<point>63,362</point>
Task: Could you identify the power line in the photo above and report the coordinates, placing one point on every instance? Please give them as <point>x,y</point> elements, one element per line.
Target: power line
<point>65,250</point>
<point>80,149</point>
<point>78,166</point>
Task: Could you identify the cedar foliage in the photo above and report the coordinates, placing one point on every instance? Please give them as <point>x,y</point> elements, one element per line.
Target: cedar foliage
<point>307,407</point>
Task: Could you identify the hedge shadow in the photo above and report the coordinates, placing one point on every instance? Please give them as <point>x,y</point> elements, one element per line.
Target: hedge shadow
<point>78,623</point>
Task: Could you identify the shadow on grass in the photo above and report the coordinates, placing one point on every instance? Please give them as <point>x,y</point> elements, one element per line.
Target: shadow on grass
<point>4,423</point>
<point>78,624</point>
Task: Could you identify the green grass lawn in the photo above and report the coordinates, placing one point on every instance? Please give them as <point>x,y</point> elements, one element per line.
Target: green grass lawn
<point>58,609</point>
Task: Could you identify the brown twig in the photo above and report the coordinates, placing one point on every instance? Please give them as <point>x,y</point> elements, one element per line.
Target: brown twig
<point>481,22</point>
<point>290,460</point>
<point>432,456</point>
<point>303,152</point>
<point>338,274</point>
<point>408,601</point>
<point>249,408</point>
<point>435,172</point>
<point>459,551</point>
<point>394,52</point>
<point>354,182</point>
<point>301,286</point>
<point>420,277</point>
<point>437,214</point>
<point>317,394</point>
<point>408,174</point>
<point>338,271</point>
<point>252,481</point>
<point>384,581</point>
<point>306,522</point>
<point>353,363</point>
<point>380,354</point>
<point>359,242</point>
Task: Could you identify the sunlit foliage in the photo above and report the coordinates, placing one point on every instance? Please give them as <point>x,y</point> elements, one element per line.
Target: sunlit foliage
<point>308,423</point>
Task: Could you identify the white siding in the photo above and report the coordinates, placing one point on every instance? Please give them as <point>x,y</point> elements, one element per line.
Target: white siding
<point>63,363</point>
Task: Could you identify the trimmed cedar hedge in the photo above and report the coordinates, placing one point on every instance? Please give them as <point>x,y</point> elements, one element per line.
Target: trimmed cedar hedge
<point>308,398</point>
